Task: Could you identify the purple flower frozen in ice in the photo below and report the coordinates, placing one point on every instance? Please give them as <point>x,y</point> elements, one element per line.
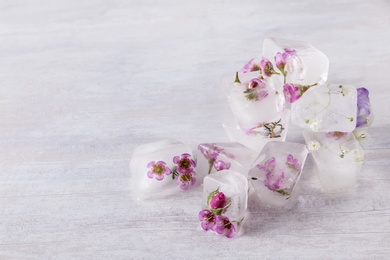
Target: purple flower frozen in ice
<point>363,108</point>
<point>218,201</point>
<point>184,163</point>
<point>291,92</point>
<point>266,68</point>
<point>252,65</point>
<point>293,163</point>
<point>224,227</point>
<point>157,170</point>
<point>268,166</point>
<point>207,219</point>
<point>336,135</point>
<point>273,181</point>
<point>281,59</point>
<point>221,165</point>
<point>185,180</point>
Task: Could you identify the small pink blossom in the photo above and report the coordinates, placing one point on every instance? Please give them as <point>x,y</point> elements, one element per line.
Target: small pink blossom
<point>336,135</point>
<point>207,219</point>
<point>186,180</point>
<point>210,151</point>
<point>218,201</point>
<point>250,66</point>
<point>291,92</point>
<point>224,227</point>
<point>256,89</point>
<point>281,59</point>
<point>266,68</point>
<point>184,163</point>
<point>221,165</point>
<point>268,166</point>
<point>157,170</point>
<point>293,163</point>
<point>273,181</point>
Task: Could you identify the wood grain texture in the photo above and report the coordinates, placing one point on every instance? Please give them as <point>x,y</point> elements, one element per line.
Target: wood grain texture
<point>84,82</point>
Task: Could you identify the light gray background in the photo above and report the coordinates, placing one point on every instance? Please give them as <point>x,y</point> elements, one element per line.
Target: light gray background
<point>84,82</point>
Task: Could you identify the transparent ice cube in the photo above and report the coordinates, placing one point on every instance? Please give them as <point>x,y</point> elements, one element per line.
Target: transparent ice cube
<point>338,157</point>
<point>154,173</point>
<point>213,157</point>
<point>306,66</point>
<point>326,108</point>
<point>231,204</point>
<point>277,171</point>
<point>249,111</point>
<point>259,134</point>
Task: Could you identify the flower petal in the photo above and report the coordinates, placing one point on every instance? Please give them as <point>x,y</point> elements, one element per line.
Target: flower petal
<point>176,159</point>
<point>151,164</point>
<point>159,177</point>
<point>150,174</point>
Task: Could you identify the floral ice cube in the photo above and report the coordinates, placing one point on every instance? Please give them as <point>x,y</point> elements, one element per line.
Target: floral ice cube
<point>260,134</point>
<point>253,101</point>
<point>213,157</point>
<point>338,156</point>
<point>225,197</point>
<point>326,108</point>
<point>297,62</point>
<point>277,171</point>
<point>162,168</point>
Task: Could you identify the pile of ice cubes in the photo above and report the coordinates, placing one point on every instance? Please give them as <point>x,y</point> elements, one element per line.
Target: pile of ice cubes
<point>288,84</point>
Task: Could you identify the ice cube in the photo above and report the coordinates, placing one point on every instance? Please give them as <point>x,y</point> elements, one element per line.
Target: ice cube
<point>225,196</point>
<point>253,101</point>
<point>259,134</point>
<point>213,157</point>
<point>277,171</point>
<point>161,168</point>
<point>299,61</point>
<point>338,156</point>
<point>326,108</point>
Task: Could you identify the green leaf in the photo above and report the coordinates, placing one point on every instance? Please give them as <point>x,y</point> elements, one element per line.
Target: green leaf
<point>283,192</point>
<point>217,211</point>
<point>211,195</point>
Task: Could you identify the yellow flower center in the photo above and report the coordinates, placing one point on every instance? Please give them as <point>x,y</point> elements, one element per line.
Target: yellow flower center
<point>158,169</point>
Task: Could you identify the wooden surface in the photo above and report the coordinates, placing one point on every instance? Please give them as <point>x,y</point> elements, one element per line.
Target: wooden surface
<point>84,82</point>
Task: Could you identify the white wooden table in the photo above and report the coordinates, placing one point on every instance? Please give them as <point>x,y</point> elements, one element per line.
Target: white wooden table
<point>84,82</point>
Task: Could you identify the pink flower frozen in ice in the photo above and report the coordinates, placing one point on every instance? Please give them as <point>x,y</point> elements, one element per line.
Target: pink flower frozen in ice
<point>185,180</point>
<point>218,201</point>
<point>273,181</point>
<point>184,163</point>
<point>250,66</point>
<point>224,227</point>
<point>291,92</point>
<point>210,151</point>
<point>256,90</point>
<point>281,59</point>
<point>268,166</point>
<point>336,135</point>
<point>266,68</point>
<point>221,165</point>
<point>157,170</point>
<point>207,219</point>
<point>293,163</point>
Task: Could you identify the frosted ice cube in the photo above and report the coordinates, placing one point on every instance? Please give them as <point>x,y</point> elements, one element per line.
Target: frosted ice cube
<point>161,168</point>
<point>304,64</point>
<point>326,108</point>
<point>213,157</point>
<point>253,105</point>
<point>277,171</point>
<point>259,134</point>
<point>225,197</point>
<point>338,156</point>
